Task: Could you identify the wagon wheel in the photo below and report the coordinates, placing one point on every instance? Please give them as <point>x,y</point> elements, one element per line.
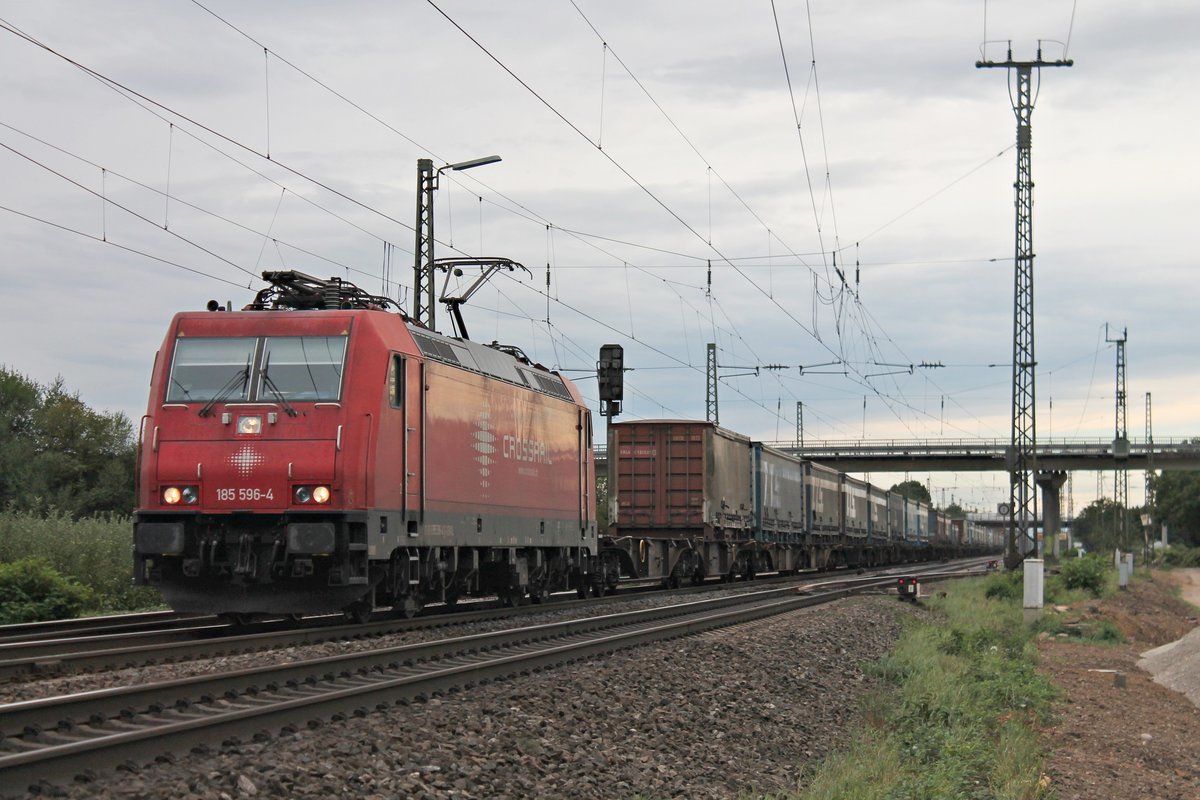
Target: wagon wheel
<point>609,575</point>
<point>407,606</point>
<point>357,613</point>
<point>238,619</point>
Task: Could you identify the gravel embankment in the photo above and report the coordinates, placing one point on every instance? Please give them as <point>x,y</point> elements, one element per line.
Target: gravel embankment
<point>33,687</point>
<point>736,710</point>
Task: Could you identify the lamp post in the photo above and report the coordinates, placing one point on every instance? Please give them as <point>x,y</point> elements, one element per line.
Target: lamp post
<point>424,301</point>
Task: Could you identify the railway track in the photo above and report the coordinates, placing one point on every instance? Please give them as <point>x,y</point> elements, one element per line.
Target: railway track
<point>120,642</point>
<point>74,736</point>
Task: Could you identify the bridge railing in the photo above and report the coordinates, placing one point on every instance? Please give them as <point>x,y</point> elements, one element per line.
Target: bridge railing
<point>1076,445</point>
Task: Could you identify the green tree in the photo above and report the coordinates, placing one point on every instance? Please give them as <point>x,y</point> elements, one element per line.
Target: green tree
<point>1177,503</point>
<point>56,452</point>
<point>602,504</point>
<point>1097,526</point>
<point>913,490</point>
<point>955,511</point>
<point>19,402</point>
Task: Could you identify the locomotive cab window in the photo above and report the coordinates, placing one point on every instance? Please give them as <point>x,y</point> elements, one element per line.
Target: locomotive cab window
<point>396,381</point>
<point>302,368</point>
<point>287,368</point>
<point>204,369</point>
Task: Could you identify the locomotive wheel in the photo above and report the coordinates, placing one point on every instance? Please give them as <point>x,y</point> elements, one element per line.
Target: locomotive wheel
<point>359,613</point>
<point>239,619</point>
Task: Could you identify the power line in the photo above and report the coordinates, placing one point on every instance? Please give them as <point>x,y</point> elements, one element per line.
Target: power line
<point>111,243</point>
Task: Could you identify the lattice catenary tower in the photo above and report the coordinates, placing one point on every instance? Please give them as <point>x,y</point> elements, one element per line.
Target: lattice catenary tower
<point>1120,447</point>
<point>1022,457</point>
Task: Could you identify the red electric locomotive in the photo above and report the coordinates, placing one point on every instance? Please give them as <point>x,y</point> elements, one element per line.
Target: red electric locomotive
<point>316,453</point>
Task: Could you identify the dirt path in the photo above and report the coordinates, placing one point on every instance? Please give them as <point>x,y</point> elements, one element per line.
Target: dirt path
<point>1188,581</point>
<point>1132,741</point>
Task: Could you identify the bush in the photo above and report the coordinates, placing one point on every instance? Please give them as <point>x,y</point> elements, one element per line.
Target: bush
<point>33,591</point>
<point>1005,586</point>
<point>1181,557</point>
<point>1088,573</point>
<point>95,551</point>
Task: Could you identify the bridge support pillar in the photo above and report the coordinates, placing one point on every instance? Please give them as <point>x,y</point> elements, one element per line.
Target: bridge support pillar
<point>1051,484</point>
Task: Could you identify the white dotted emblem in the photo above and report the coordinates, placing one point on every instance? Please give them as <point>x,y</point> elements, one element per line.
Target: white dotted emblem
<point>245,460</point>
<point>483,445</point>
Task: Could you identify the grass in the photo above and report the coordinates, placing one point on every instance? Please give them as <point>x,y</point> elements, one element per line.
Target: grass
<point>957,712</point>
<point>94,551</point>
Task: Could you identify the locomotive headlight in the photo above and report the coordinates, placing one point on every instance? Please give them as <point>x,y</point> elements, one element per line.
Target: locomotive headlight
<point>311,494</point>
<point>174,495</point>
<point>250,426</point>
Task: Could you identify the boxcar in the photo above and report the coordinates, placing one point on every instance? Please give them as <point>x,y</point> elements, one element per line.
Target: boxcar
<point>681,501</point>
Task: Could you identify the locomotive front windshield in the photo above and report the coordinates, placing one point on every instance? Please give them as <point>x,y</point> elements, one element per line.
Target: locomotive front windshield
<point>249,368</point>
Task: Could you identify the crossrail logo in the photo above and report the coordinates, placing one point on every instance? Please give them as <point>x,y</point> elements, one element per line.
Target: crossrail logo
<point>245,459</point>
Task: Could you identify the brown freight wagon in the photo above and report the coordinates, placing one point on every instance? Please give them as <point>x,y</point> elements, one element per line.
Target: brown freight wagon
<point>681,501</point>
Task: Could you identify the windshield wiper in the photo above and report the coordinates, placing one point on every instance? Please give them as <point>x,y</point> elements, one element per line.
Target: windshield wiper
<point>270,384</point>
<point>241,377</point>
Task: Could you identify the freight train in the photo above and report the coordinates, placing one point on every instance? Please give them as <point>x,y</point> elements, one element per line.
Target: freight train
<point>317,452</point>
<point>690,500</point>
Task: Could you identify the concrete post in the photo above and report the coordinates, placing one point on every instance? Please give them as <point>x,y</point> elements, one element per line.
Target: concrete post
<point>1051,484</point>
<point>1034,586</point>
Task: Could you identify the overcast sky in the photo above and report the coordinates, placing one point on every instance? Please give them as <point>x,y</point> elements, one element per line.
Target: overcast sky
<point>640,141</point>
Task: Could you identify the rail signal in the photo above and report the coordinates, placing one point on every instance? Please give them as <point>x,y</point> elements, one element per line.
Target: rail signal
<point>610,373</point>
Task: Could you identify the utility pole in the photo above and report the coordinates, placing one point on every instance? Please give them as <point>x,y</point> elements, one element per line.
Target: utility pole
<point>1121,446</point>
<point>423,299</point>
<point>799,425</point>
<point>1148,514</point>
<point>1022,456</point>
<point>710,387</point>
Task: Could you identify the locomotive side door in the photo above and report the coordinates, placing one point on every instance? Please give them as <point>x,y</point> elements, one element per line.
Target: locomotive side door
<point>414,442</point>
<point>406,387</point>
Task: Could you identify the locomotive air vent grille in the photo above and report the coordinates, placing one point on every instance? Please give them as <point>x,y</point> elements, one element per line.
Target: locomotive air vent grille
<point>434,348</point>
<point>553,386</point>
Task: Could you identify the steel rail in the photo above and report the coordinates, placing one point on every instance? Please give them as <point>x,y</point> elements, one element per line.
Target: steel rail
<point>355,683</point>
<point>117,651</point>
<point>18,631</point>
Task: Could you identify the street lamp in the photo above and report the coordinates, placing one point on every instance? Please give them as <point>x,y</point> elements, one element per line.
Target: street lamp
<point>427,183</point>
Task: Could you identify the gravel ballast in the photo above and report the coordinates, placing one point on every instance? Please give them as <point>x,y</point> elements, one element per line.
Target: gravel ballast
<point>734,710</point>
